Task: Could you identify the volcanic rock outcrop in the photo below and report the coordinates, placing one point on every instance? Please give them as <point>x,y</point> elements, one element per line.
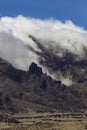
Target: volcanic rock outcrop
<point>34,90</point>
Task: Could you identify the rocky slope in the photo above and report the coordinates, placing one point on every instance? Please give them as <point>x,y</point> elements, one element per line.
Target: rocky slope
<point>68,67</point>
<point>35,90</point>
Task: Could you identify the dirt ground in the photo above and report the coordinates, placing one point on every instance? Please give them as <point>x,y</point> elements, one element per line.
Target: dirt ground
<point>46,121</point>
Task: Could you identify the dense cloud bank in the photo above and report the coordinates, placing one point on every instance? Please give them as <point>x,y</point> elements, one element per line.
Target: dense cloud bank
<point>24,40</point>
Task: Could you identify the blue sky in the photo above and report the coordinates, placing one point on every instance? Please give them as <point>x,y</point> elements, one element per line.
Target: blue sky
<point>75,10</point>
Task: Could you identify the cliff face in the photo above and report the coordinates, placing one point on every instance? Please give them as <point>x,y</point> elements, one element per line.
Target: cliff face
<point>66,66</point>
<point>20,90</point>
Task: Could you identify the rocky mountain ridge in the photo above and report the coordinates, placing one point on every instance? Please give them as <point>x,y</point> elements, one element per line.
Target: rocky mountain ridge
<point>33,90</point>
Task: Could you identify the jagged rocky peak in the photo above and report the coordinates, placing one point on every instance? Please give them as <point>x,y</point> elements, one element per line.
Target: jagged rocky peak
<point>38,88</point>
<point>35,69</point>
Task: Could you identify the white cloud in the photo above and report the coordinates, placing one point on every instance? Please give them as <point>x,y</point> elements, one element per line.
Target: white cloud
<point>53,35</point>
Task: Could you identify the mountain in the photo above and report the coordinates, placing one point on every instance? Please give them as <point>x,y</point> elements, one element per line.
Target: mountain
<point>36,91</point>
<point>68,66</point>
